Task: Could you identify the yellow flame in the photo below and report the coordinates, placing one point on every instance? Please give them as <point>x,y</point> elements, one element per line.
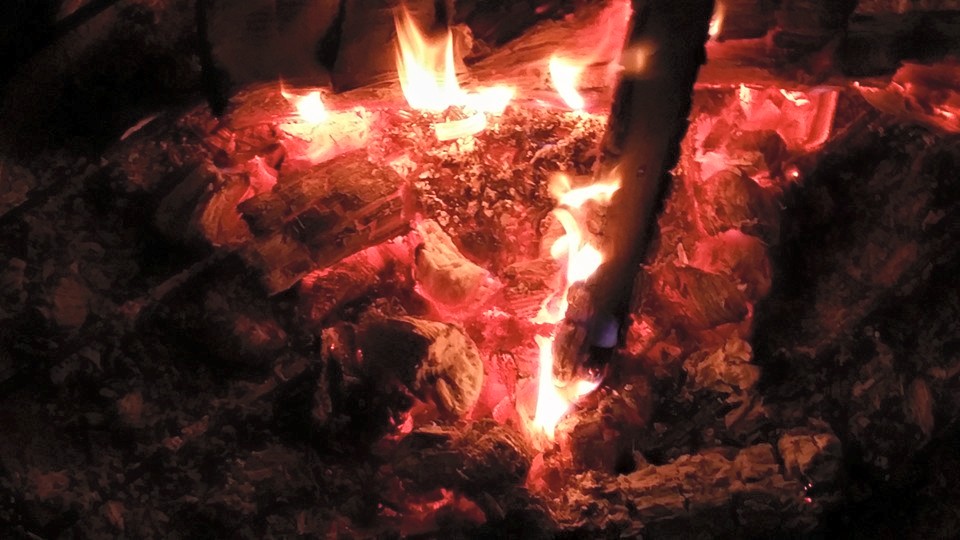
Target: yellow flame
<point>564,75</point>
<point>309,106</point>
<point>582,260</point>
<point>716,22</point>
<point>552,401</point>
<point>428,74</point>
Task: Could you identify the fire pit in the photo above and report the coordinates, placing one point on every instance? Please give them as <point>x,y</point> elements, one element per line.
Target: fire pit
<point>484,271</point>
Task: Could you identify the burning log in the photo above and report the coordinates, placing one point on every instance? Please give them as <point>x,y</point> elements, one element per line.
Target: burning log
<point>320,216</point>
<point>434,360</point>
<point>641,146</point>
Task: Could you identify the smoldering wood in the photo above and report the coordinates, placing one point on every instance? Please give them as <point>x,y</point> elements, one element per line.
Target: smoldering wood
<point>445,275</point>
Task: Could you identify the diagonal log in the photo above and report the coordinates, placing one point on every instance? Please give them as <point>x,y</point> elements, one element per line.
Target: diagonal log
<point>661,58</point>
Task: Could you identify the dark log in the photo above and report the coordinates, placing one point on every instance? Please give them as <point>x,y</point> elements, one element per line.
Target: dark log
<point>319,216</point>
<point>641,146</point>
<point>262,40</point>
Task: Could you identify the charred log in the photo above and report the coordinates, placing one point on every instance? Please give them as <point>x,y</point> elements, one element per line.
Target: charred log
<point>647,123</point>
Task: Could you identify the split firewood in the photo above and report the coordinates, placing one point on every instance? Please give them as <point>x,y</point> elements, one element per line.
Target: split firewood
<point>808,25</point>
<point>264,40</point>
<point>321,215</point>
<point>436,361</point>
<point>202,208</point>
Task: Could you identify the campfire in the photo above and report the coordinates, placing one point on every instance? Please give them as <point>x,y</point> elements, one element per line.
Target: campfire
<point>548,269</point>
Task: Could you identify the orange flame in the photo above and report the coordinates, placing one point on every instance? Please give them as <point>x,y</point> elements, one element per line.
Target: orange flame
<point>428,75</point>
<point>582,260</point>
<point>564,75</point>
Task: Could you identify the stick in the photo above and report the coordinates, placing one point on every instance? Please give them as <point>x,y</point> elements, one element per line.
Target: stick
<point>649,119</point>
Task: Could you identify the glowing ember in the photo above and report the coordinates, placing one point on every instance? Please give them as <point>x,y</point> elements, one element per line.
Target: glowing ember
<point>564,75</point>
<point>582,260</point>
<point>428,74</point>
<point>309,107</point>
<point>716,22</point>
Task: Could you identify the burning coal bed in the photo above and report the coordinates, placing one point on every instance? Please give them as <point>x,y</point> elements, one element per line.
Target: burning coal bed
<point>401,288</point>
<point>382,281</point>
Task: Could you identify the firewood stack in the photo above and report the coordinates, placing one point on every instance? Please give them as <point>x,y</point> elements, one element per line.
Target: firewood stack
<point>240,326</point>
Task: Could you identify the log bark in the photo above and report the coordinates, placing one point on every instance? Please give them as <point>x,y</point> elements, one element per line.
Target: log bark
<point>320,216</point>
<point>642,144</point>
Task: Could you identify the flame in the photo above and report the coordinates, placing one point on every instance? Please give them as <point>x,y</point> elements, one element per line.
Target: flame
<point>582,260</point>
<point>716,22</point>
<point>428,75</point>
<point>553,401</point>
<point>309,107</point>
<point>564,75</point>
<point>427,71</point>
